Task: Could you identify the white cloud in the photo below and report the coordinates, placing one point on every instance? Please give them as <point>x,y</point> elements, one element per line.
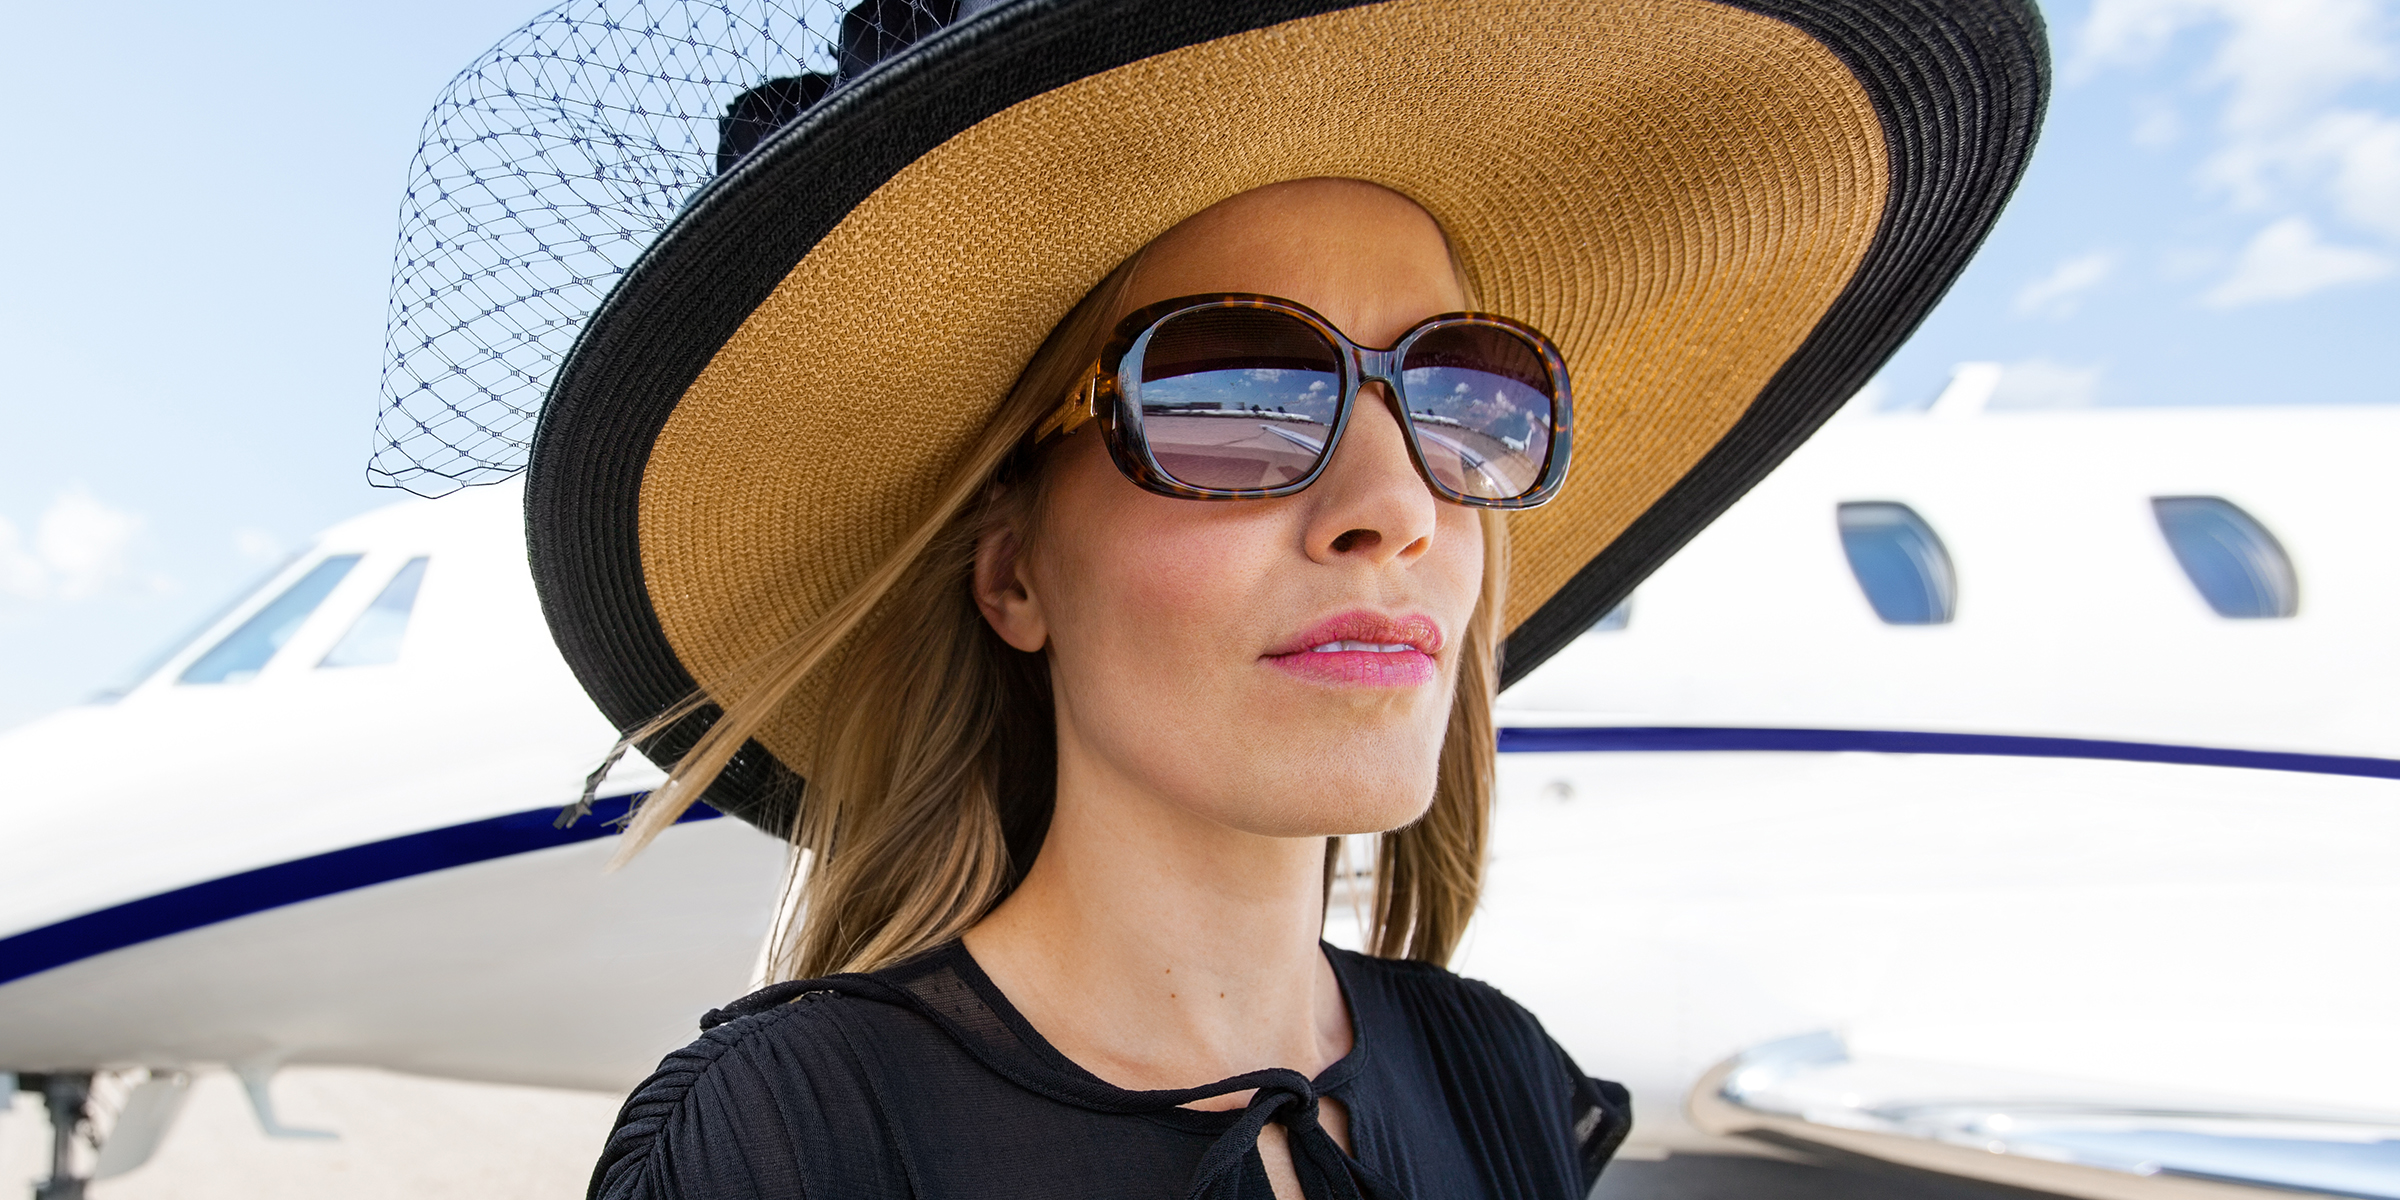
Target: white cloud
<point>80,547</point>
<point>84,543</point>
<point>2292,133</point>
<point>2287,261</point>
<point>2058,293</point>
<point>2365,149</point>
<point>21,573</point>
<point>2349,157</point>
<point>2281,60</point>
<point>2037,383</point>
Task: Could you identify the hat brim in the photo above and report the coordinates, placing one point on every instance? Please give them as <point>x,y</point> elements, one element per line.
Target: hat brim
<point>1726,215</point>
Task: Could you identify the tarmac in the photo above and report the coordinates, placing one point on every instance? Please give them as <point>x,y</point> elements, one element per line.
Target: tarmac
<point>406,1136</point>
<point>397,1136</point>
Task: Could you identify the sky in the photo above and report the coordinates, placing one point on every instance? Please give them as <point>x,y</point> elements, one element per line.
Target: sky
<point>201,200</point>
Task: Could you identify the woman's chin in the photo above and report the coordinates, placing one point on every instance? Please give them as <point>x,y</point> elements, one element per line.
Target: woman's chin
<point>1319,807</point>
<point>1330,772</point>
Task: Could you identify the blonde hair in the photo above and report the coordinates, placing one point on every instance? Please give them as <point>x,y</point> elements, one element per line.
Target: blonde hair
<point>929,797</point>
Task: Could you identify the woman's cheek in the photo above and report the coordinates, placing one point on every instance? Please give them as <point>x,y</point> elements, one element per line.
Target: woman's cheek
<point>1192,588</point>
<point>1461,550</point>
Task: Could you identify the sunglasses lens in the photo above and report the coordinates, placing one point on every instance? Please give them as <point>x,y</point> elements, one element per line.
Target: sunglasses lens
<point>1479,400</point>
<point>1238,398</point>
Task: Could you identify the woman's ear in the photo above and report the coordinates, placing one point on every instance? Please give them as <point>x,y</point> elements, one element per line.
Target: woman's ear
<point>1002,593</point>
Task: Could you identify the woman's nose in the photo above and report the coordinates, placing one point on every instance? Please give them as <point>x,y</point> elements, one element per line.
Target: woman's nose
<point>1370,502</point>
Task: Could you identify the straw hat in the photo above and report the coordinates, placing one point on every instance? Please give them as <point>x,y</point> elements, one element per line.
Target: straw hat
<point>1726,214</point>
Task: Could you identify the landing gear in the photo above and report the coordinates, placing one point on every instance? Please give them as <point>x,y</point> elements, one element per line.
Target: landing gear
<point>68,1098</point>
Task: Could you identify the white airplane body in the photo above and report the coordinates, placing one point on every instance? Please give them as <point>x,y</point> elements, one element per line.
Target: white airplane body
<point>2126,974</point>
<point>357,864</point>
<point>2085,888</point>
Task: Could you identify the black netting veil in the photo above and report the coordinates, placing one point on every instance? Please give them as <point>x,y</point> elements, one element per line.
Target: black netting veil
<point>544,170</point>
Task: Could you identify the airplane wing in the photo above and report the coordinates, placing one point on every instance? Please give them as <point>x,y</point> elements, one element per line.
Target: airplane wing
<point>2070,1137</point>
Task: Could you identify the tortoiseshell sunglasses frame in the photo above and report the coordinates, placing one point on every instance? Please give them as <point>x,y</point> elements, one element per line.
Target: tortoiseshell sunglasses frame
<point>1101,394</point>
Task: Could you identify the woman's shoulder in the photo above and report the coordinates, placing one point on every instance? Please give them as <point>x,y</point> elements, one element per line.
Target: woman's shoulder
<point>745,1107</point>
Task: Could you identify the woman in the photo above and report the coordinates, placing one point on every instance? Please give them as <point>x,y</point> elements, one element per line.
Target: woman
<point>1229,684</point>
<point>1006,444</point>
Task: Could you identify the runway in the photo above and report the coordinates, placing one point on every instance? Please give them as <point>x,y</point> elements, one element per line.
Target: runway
<point>401,1136</point>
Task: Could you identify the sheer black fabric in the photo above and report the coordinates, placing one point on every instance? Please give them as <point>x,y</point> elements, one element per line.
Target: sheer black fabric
<point>922,1081</point>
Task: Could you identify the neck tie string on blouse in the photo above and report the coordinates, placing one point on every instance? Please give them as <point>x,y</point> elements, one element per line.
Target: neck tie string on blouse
<point>1287,1097</point>
<point>1278,1094</point>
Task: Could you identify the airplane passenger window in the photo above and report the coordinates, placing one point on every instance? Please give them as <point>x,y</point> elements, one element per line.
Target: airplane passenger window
<point>247,649</point>
<point>1615,618</point>
<point>1899,562</point>
<point>2239,567</point>
<point>374,637</point>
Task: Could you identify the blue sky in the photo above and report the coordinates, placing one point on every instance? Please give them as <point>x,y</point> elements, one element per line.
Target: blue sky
<point>2212,215</point>
<point>202,201</point>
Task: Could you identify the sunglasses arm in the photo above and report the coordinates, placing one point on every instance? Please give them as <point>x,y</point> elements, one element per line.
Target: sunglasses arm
<point>1081,405</point>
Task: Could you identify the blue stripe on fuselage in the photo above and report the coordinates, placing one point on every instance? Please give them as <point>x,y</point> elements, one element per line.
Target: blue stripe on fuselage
<point>343,870</point>
<point>223,899</point>
<point>1669,738</point>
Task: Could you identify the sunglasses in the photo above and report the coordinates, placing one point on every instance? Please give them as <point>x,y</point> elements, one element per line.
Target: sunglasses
<point>1242,397</point>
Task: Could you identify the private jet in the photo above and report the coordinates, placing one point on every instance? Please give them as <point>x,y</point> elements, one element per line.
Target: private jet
<point>2011,795</point>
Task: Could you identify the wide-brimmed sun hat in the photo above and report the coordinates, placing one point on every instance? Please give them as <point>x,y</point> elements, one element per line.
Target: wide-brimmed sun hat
<point>1727,215</point>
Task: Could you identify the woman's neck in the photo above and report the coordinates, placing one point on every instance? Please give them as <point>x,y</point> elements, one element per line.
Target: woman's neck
<point>1158,949</point>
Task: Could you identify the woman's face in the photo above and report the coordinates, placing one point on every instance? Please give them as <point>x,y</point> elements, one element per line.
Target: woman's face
<point>1215,655</point>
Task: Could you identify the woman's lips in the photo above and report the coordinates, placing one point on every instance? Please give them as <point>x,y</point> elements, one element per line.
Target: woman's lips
<point>1364,649</point>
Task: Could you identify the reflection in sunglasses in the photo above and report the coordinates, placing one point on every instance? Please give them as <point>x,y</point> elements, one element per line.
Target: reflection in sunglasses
<point>1312,445</point>
<point>1494,485</point>
<point>1479,396</point>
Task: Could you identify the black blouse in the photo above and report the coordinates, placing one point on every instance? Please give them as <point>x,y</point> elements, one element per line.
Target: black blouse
<point>922,1081</point>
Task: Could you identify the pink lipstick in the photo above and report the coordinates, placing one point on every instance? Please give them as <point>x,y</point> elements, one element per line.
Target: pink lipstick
<point>1364,649</point>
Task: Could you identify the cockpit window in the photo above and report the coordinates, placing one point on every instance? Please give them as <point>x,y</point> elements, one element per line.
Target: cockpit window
<point>247,649</point>
<point>374,638</point>
<point>1900,563</point>
<point>191,635</point>
<point>2239,567</point>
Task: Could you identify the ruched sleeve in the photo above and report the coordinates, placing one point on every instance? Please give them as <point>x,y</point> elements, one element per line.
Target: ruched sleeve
<point>751,1110</point>
<point>1603,1116</point>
